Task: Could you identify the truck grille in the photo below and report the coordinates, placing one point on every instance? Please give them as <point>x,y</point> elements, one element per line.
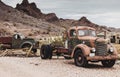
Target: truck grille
<point>101,49</point>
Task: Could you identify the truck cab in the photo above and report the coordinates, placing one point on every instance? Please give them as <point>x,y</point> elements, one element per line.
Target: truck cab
<point>20,41</point>
<point>80,35</point>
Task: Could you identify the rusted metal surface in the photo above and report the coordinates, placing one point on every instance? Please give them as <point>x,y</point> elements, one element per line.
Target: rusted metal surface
<point>17,41</point>
<point>86,44</point>
<point>82,27</point>
<point>85,49</point>
<point>110,57</point>
<point>5,40</point>
<point>61,50</point>
<point>76,28</point>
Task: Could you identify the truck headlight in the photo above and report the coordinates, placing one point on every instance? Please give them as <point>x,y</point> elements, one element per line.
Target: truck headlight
<point>111,49</point>
<point>93,50</point>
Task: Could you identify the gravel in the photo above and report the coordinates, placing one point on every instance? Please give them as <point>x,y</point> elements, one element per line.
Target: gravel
<point>36,67</point>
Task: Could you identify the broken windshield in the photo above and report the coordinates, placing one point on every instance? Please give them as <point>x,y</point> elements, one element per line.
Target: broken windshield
<point>86,33</point>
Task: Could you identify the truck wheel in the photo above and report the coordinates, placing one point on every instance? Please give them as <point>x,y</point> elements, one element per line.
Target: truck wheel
<point>50,51</point>
<point>79,59</point>
<point>108,63</point>
<point>46,52</point>
<point>26,46</point>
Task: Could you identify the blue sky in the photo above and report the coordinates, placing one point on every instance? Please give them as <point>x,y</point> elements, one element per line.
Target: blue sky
<point>102,12</point>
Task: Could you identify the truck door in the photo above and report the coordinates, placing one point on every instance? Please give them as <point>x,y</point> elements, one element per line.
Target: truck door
<point>16,41</point>
<point>72,40</point>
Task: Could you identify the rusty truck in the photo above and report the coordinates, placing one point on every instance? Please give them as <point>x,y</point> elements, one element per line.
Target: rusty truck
<point>82,44</point>
<point>18,41</point>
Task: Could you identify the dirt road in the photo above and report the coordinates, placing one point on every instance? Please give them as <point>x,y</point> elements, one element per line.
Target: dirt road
<point>35,67</point>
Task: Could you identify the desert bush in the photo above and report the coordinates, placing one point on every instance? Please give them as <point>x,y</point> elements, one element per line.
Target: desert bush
<point>58,43</point>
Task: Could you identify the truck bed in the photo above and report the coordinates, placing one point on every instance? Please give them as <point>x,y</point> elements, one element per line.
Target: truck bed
<point>5,40</point>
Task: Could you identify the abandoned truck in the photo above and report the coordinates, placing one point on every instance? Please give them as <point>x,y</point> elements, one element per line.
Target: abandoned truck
<point>83,45</point>
<point>17,41</point>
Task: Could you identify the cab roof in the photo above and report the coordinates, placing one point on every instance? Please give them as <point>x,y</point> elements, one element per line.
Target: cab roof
<point>81,27</point>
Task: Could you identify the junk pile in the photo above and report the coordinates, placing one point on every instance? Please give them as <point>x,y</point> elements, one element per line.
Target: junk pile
<point>25,52</point>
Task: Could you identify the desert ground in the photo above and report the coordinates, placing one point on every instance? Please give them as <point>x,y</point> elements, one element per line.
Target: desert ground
<point>56,67</point>
<point>36,67</point>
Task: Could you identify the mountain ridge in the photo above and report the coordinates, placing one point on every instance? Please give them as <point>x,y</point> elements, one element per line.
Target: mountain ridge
<point>32,10</point>
<point>52,18</point>
<point>23,23</point>
<point>26,18</point>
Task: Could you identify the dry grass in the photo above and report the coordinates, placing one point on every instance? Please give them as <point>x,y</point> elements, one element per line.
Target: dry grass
<point>117,46</point>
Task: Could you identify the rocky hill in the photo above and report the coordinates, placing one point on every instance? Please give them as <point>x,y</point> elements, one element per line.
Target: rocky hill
<point>27,19</point>
<point>12,21</point>
<point>32,10</point>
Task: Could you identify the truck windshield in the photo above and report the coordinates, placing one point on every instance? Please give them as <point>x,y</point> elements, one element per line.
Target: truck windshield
<point>86,33</point>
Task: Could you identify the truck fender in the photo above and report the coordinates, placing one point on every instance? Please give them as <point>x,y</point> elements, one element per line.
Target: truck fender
<point>26,42</point>
<point>85,49</point>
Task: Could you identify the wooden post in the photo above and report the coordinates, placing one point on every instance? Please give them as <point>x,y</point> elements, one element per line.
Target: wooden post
<point>4,53</point>
<point>28,52</point>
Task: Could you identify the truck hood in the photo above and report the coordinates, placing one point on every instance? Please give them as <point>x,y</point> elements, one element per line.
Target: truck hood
<point>92,40</point>
<point>88,38</point>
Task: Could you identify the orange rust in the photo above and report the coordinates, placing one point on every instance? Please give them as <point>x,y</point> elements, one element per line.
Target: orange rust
<point>92,43</point>
<point>82,27</point>
<point>85,49</point>
<point>110,57</point>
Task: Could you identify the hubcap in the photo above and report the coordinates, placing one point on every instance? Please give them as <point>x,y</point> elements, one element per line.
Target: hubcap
<point>79,58</point>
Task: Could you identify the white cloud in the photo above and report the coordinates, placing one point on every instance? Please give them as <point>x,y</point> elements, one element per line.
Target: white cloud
<point>108,19</point>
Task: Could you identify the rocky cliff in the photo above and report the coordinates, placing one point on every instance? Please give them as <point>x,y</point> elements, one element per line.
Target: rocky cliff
<point>32,10</point>
<point>13,21</point>
<point>26,18</point>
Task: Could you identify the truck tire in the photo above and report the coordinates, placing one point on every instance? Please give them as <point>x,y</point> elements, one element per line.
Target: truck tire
<point>46,52</point>
<point>79,59</point>
<point>50,51</point>
<point>43,52</point>
<point>26,46</point>
<point>108,63</point>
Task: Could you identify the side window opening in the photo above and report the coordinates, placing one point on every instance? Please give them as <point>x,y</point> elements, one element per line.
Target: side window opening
<point>17,36</point>
<point>81,33</point>
<point>72,33</point>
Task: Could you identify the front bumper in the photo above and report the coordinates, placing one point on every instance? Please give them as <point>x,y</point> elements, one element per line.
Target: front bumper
<point>109,57</point>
